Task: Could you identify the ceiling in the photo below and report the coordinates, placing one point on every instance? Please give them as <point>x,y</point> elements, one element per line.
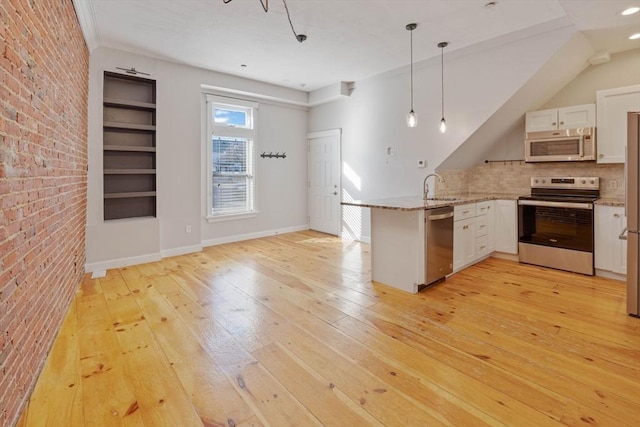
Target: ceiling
<point>348,40</point>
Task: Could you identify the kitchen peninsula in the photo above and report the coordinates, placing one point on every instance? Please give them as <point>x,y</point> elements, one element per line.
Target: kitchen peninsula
<point>398,256</point>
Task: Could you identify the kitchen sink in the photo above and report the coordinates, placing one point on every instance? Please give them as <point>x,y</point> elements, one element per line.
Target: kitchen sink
<point>442,199</point>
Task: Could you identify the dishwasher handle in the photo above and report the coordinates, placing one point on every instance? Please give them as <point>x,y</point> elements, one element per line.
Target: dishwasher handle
<point>440,216</point>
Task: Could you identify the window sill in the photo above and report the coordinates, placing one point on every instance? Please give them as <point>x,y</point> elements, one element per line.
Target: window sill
<point>232,217</point>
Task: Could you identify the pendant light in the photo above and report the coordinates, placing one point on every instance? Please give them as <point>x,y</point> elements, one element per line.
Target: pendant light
<point>443,122</point>
<point>412,119</point>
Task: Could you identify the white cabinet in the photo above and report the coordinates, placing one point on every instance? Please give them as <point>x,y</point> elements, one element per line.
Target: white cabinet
<point>464,243</point>
<point>610,251</point>
<point>472,233</point>
<point>506,232</point>
<point>613,105</point>
<point>485,221</point>
<point>577,116</point>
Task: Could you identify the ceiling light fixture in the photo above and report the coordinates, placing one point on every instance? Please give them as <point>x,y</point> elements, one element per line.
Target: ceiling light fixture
<point>443,122</point>
<point>635,36</point>
<point>412,119</point>
<point>630,11</point>
<point>265,7</point>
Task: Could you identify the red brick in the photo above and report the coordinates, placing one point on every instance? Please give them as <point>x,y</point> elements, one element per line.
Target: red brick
<point>42,207</point>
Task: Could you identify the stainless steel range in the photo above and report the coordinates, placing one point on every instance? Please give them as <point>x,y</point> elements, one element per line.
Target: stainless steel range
<point>555,223</point>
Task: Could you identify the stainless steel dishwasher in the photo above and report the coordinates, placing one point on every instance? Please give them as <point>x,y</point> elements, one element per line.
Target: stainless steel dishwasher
<point>438,239</point>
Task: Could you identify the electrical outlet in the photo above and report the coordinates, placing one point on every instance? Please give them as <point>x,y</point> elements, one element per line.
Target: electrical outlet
<point>187,228</point>
<point>421,163</point>
<point>390,151</point>
<point>613,184</point>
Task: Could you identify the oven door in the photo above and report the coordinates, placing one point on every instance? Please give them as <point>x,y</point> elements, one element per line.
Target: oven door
<point>556,224</point>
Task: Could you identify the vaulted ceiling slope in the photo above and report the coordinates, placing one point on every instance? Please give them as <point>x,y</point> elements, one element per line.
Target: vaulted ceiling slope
<point>501,135</point>
<point>348,40</point>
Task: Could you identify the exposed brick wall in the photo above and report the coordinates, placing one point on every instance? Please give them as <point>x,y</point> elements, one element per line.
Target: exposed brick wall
<point>43,160</point>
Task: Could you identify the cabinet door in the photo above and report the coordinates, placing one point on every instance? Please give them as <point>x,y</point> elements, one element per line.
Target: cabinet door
<point>578,116</point>
<point>610,252</point>
<point>603,242</point>
<point>464,242</point>
<point>541,120</point>
<point>613,105</point>
<point>487,208</point>
<point>506,235</point>
<point>619,253</point>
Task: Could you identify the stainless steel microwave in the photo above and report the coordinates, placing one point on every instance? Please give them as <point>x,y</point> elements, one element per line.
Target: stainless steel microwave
<point>567,145</point>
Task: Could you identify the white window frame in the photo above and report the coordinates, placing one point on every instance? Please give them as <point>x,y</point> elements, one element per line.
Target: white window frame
<point>250,133</point>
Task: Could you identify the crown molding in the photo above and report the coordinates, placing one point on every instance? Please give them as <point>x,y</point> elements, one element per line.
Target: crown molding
<point>86,17</point>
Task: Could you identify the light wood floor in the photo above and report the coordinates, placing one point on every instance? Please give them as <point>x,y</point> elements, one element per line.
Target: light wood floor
<point>289,330</point>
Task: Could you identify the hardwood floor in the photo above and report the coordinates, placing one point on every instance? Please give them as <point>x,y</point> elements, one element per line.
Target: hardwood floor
<point>289,330</point>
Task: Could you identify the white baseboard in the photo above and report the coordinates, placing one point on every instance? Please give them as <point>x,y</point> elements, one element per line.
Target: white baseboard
<point>611,275</point>
<point>249,236</point>
<point>90,267</point>
<point>125,262</point>
<point>166,253</point>
<point>504,255</point>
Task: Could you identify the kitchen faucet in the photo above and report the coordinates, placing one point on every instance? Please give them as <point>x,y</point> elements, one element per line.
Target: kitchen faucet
<point>425,186</point>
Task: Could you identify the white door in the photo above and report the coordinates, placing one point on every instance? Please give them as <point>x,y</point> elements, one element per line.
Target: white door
<point>324,181</point>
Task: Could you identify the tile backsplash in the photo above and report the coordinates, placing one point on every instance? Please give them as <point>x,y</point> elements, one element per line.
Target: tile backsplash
<point>513,177</point>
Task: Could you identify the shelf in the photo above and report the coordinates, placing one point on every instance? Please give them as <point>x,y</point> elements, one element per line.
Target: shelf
<point>129,194</point>
<point>127,103</point>
<point>129,171</point>
<point>129,126</point>
<point>129,148</point>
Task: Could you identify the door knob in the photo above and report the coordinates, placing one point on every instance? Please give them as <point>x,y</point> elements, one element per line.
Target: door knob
<point>335,193</point>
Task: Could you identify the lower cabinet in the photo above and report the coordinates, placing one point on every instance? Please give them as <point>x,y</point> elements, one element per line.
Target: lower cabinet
<point>506,233</point>
<point>610,251</point>
<point>472,233</point>
<point>482,228</point>
<point>464,242</point>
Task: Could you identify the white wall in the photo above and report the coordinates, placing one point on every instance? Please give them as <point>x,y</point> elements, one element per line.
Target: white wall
<point>622,70</point>
<point>479,80</point>
<point>281,189</point>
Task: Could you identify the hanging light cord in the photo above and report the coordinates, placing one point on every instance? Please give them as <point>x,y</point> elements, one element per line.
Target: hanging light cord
<point>411,55</point>
<point>299,37</point>
<point>265,7</point>
<point>442,76</point>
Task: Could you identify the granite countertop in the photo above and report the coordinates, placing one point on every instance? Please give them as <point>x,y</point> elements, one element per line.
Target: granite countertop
<point>410,203</point>
<point>610,202</point>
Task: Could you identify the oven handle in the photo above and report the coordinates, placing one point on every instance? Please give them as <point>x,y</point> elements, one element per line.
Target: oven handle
<point>588,206</point>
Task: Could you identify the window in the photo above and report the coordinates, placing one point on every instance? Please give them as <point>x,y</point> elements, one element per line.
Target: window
<point>230,151</point>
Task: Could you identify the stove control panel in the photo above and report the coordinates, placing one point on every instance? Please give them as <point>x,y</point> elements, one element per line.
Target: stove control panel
<point>580,183</point>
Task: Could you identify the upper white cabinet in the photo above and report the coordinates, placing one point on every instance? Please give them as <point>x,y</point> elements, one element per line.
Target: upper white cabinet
<point>613,106</point>
<point>577,116</point>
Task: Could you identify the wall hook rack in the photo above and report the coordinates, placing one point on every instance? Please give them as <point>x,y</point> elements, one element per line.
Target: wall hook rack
<point>273,156</point>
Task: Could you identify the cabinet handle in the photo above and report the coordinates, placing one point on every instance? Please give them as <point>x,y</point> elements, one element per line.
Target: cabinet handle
<point>554,123</point>
<point>465,212</point>
<point>561,123</point>
<point>600,156</point>
<point>482,226</point>
<point>622,235</point>
<point>482,247</point>
<point>465,227</point>
<point>616,215</point>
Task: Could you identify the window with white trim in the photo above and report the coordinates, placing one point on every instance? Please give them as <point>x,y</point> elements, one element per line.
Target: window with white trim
<point>230,151</point>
